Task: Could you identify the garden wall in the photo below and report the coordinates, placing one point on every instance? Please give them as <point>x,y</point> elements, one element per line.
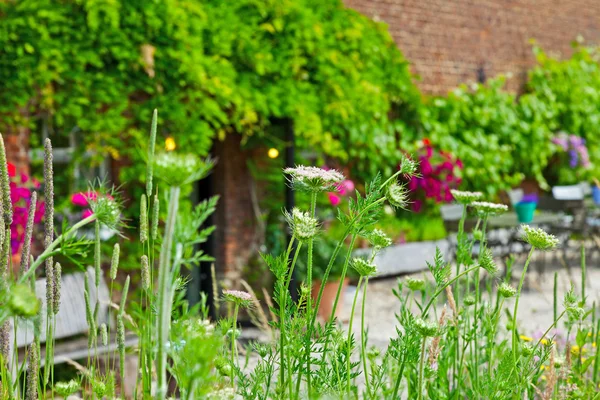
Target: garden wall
<point>450,42</point>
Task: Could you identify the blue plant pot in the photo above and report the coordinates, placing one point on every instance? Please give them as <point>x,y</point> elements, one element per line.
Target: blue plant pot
<point>596,194</point>
<point>525,211</point>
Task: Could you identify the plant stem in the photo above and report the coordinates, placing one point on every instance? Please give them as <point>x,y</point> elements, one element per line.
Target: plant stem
<point>363,339</point>
<point>164,293</point>
<point>482,248</point>
<point>349,348</point>
<point>421,363</point>
<point>309,310</point>
<point>443,288</point>
<point>399,379</point>
<point>233,340</point>
<point>516,308</point>
<point>282,307</point>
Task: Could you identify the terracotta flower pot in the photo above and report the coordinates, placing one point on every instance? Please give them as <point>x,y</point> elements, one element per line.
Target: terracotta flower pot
<point>329,293</point>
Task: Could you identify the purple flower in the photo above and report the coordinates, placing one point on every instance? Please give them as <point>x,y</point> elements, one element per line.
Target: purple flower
<point>574,158</point>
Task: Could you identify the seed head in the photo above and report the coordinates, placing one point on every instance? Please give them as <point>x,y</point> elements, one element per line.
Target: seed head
<point>378,239</point>
<point>57,285</point>
<point>486,209</point>
<point>469,300</point>
<point>538,238</point>
<point>506,290</point>
<point>363,267</point>
<point>464,197</point>
<point>151,146</point>
<point>180,169</point>
<point>28,233</point>
<point>304,227</point>
<point>426,328</point>
<point>5,329</point>
<point>396,195</point>
<point>238,297</point>
<point>313,179</point>
<point>145,273</point>
<point>155,217</point>
<point>104,334</point>
<point>408,167</point>
<point>486,261</point>
<point>66,389</point>
<point>121,342</point>
<point>107,209</point>
<point>415,284</point>
<point>32,373</point>
<point>7,207</point>
<point>124,293</point>
<point>143,219</point>
<point>114,262</point>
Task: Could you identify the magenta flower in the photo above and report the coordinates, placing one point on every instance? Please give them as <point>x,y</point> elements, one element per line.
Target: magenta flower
<point>334,199</point>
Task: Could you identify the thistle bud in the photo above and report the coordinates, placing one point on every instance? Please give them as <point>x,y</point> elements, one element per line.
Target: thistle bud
<point>143,219</point>
<point>145,273</point>
<point>114,262</point>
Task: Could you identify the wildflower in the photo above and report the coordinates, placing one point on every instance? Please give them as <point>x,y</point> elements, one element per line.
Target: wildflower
<point>527,349</point>
<point>396,195</point>
<point>469,300</point>
<point>363,267</point>
<point>32,373</point>
<point>485,208</point>
<point>538,238</point>
<point>66,389</point>
<point>426,328</point>
<point>143,219</point>
<point>415,284</point>
<point>238,297</point>
<point>23,302</point>
<point>378,239</point>
<point>525,338</point>
<point>57,287</point>
<point>486,261</point>
<point>114,262</point>
<point>145,273</point>
<point>464,197</point>
<point>304,227</point>
<point>313,179</point>
<point>575,350</point>
<point>180,169</point>
<point>106,207</point>
<point>506,290</point>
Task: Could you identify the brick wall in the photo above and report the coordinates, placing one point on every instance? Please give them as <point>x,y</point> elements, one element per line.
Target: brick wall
<point>447,41</point>
<point>16,142</point>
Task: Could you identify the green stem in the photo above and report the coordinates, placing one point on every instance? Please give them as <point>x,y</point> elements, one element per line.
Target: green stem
<point>164,294</point>
<point>363,339</point>
<point>421,363</point>
<point>443,288</point>
<point>309,310</point>
<point>399,379</point>
<point>49,251</point>
<point>482,248</point>
<point>282,307</point>
<point>233,340</point>
<point>514,327</point>
<point>349,348</point>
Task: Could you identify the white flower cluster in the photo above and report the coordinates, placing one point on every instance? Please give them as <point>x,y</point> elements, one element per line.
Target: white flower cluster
<point>179,169</point>
<point>313,179</point>
<point>464,197</point>
<point>489,209</point>
<point>363,267</point>
<point>303,226</point>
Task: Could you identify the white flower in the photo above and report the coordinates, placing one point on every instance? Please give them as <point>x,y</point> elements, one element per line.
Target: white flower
<point>238,297</point>
<point>488,209</point>
<point>465,197</point>
<point>303,226</point>
<point>313,179</point>
<point>363,267</point>
<point>180,169</point>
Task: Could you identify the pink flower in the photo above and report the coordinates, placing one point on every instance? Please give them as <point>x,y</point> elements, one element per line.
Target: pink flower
<point>80,199</point>
<point>86,213</point>
<point>12,170</point>
<point>417,205</point>
<point>334,199</point>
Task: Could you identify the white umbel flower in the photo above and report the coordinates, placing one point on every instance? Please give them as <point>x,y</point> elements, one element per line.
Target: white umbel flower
<point>538,238</point>
<point>313,179</point>
<point>464,197</point>
<point>489,209</point>
<point>304,227</point>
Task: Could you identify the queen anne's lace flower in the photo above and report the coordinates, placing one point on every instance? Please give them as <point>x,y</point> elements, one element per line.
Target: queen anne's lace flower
<point>303,226</point>
<point>364,267</point>
<point>313,179</point>
<point>415,284</point>
<point>180,169</point>
<point>464,197</point>
<point>489,209</point>
<point>408,167</point>
<point>506,290</point>
<point>426,328</point>
<point>538,238</point>
<point>379,240</point>
<point>238,297</point>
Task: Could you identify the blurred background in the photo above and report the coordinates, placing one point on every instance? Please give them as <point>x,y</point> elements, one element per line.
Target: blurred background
<point>501,97</point>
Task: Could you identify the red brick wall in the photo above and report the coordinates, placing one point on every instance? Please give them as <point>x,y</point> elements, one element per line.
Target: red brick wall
<point>448,40</point>
<point>236,235</point>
